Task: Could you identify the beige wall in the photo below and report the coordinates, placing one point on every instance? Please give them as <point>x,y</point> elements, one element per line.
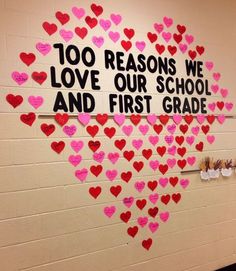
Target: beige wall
<point>48,222</point>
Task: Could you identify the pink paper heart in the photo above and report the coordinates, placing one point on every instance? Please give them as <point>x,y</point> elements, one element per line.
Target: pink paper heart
<point>128,202</point>
<point>35,101</point>
<point>229,106</point>
<point>221,119</point>
<point>43,48</point>
<point>153,140</point>
<point>214,88</point>
<point>140,45</point>
<point>191,160</point>
<point>164,216</point>
<point>69,130</point>
<point>77,145</point>
<point>98,41</point>
<point>109,211</point>
<point>81,174</point>
<point>142,221</point>
<point>158,27</point>
<point>19,78</point>
<point>111,174</point>
<point>216,76</point>
<point>189,38</point>
<point>171,162</point>
<point>183,47</point>
<point>169,139</point>
<point>154,164</point>
<point>75,160</point>
<point>78,12</point>
<point>143,129</point>
<point>177,118</point>
<point>137,143</point>
<point>105,24</point>
<point>190,140</point>
<point>114,36</point>
<point>116,18</point>
<point>224,92</point>
<point>113,157</point>
<point>210,139</point>
<point>67,35</point>
<point>166,36</point>
<point>168,21</point>
<point>200,118</point>
<point>212,106</point>
<point>171,128</point>
<point>153,198</point>
<point>172,150</point>
<point>99,156</point>
<point>209,65</point>
<point>163,182</point>
<point>139,186</point>
<point>119,119</point>
<point>84,118</point>
<point>195,130</point>
<point>127,129</point>
<point>184,183</point>
<point>153,226</point>
<point>152,118</point>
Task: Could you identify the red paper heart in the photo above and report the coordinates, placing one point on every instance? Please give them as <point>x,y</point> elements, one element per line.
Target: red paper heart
<point>132,231</point>
<point>161,150</point>
<point>165,199</point>
<point>178,38</point>
<point>81,32</point>
<point>61,119</point>
<point>181,151</point>
<point>153,211</point>
<point>39,77</point>
<point>102,118</point>
<point>126,176</point>
<point>147,153</point>
<point>199,146</point>
<point>200,49</point>
<point>173,181</point>
<point>91,22</point>
<point>152,37</point>
<point>182,163</point>
<point>128,155</point>
<point>94,145</point>
<point>28,118</point>
<point>138,165</point>
<point>120,144</point>
<point>96,9</point>
<point>152,185</point>
<point>129,33</point>
<point>96,170</point>
<point>164,119</point>
<point>158,128</point>
<point>14,100</point>
<point>220,105</point>
<point>115,190</point>
<point>49,28</point>
<point>192,54</point>
<point>179,140</point>
<point>126,45</point>
<point>125,216</point>
<point>181,28</point>
<point>147,243</point>
<point>58,147</point>
<point>63,18</point>
<point>176,197</point>
<point>160,48</point>
<point>183,128</point>
<point>210,118</point>
<point>205,129</point>
<point>95,191</point>
<point>172,49</point>
<point>141,203</point>
<point>163,168</point>
<point>135,119</point>
<point>92,130</point>
<point>110,132</point>
<point>28,59</point>
<point>47,129</point>
<point>188,119</point>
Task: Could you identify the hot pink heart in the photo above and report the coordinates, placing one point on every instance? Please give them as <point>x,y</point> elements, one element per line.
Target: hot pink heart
<point>84,118</point>
<point>163,182</point>
<point>75,160</point>
<point>19,78</point>
<point>78,12</point>
<point>153,140</point>
<point>119,119</point>
<point>105,24</point>
<point>139,186</point>
<point>142,221</point>
<point>69,130</point>
<point>116,18</point>
<point>99,156</point>
<point>98,41</point>
<point>137,143</point>
<point>164,216</point>
<point>113,157</point>
<point>35,101</point>
<point>114,36</point>
<point>81,174</point>
<point>109,211</point>
<point>128,202</point>
<point>66,34</point>
<point>154,164</point>
<point>153,198</point>
<point>77,145</point>
<point>43,48</point>
<point>111,174</point>
<point>153,226</point>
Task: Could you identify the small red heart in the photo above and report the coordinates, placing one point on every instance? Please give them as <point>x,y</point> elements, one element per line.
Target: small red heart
<point>91,22</point>
<point>110,132</point>
<point>165,199</point>
<point>126,176</point>
<point>115,190</point>
<point>14,100</point>
<point>39,77</point>
<point>152,185</point>
<point>96,9</point>
<point>220,105</point>
<point>205,129</point>
<point>181,28</point>
<point>164,119</point>
<point>141,203</point>
<point>178,38</point>
<point>61,119</point>
<point>126,45</point>
<point>135,119</point>
<point>94,145</point>
<point>47,129</point>
<point>161,150</point>
<point>132,231</point>
<point>173,181</point>
<point>129,33</point>
<point>147,243</point>
<point>96,170</point>
<point>210,118</point>
<point>128,155</point>
<point>181,151</point>
<point>176,197</point>
<point>95,191</point>
<point>28,59</point>
<point>158,128</point>
<point>125,216</point>
<point>192,54</point>
<point>120,144</point>
<point>179,140</point>
<point>183,128</point>
<point>58,147</point>
<point>92,130</point>
<point>81,32</point>
<point>200,49</point>
<point>28,118</point>
<point>153,211</point>
<point>160,48</point>
<point>182,163</point>
<point>163,168</point>
<point>188,119</point>
<point>138,165</point>
<point>199,146</point>
<point>49,28</point>
<point>147,153</point>
<point>102,118</point>
<point>152,37</point>
<point>172,49</point>
<point>63,18</point>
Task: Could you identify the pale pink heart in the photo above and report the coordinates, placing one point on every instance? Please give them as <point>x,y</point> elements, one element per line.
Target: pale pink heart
<point>78,12</point>
<point>153,140</point>
<point>19,78</point>
<point>81,174</point>
<point>171,128</point>
<point>221,119</point>
<point>114,36</point>
<point>184,183</point>
<point>214,88</point>
<point>177,118</point>
<point>183,47</point>
<point>98,41</point>
<point>137,143</point>
<point>109,211</point>
<point>105,24</point>
<point>113,157</point>
<point>153,226</point>
<point>66,34</point>
<point>69,130</point>
<point>35,101</point>
<point>152,118</point>
<point>166,36</point>
<point>116,18</point>
<point>142,221</point>
<point>169,139</point>
<point>75,160</point>
<point>200,118</point>
<point>189,38</point>
<point>210,139</point>
<point>84,118</point>
<point>43,48</point>
<point>209,65</point>
<point>168,21</point>
<point>119,119</point>
<point>171,162</point>
<point>172,150</point>
<point>190,140</point>
<point>153,198</point>
<point>111,174</point>
<point>158,27</point>
<point>229,106</point>
<point>99,156</point>
<point>77,145</point>
<point>212,106</point>
<point>216,76</point>
<point>224,92</point>
<point>127,129</point>
<point>143,129</point>
<point>195,130</point>
<point>128,202</point>
<point>154,164</point>
<point>164,216</point>
<point>163,182</point>
<point>191,160</point>
<point>139,186</point>
<point>140,45</point>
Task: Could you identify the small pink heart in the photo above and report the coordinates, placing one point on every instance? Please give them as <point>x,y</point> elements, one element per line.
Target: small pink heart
<point>183,47</point>
<point>164,216</point>
<point>153,140</point>
<point>75,160</point>
<point>158,27</point>
<point>153,226</point>
<point>109,211</point>
<point>190,140</point>
<point>166,36</point>
<point>19,78</point>
<point>214,88</point>
<point>177,118</point>
<point>163,182</point>
<point>154,164</point>
<point>221,119</point>
<point>172,150</point>
<point>127,129</point>
<point>116,18</point>
<point>128,202</point>
<point>137,143</point>
<point>99,156</point>
<point>191,160</point>
<point>200,118</point>
<point>119,119</point>
<point>168,21</point>
<point>140,45</point>
<point>171,162</point>
<point>105,24</point>
<point>69,130</point>
<point>224,92</point>
<point>189,38</point>
<point>216,76</point>
<point>184,183</point>
<point>143,129</point>
<point>229,106</point>
<point>98,41</point>
<point>84,118</point>
<point>212,106</point>
<point>81,174</point>
<point>66,34</point>
<point>152,118</point>
<point>153,198</point>
<point>169,139</point>
<point>210,139</point>
<point>209,65</point>
<point>111,174</point>
<point>171,128</point>
<point>78,12</point>
<point>113,157</point>
<point>43,48</point>
<point>139,186</point>
<point>77,145</point>
<point>114,36</point>
<point>195,130</point>
<point>35,101</point>
<point>142,221</point>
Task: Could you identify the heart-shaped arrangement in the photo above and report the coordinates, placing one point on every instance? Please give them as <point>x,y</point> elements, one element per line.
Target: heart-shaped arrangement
<point>167,139</point>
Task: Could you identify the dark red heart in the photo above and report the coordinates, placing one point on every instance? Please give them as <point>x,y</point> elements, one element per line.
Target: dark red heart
<point>115,190</point>
<point>176,197</point>
<point>182,163</point>
<point>158,128</point>
<point>92,130</point>
<point>160,48</point>
<point>94,145</point>
<point>152,185</point>
<point>128,155</point>
<point>61,119</point>
<point>129,33</point>
<point>165,199</point>
<point>138,165</point>
<point>172,49</point>
<point>141,203</point>
<point>81,32</point>
<point>63,18</point>
<point>183,128</point>
<point>126,45</point>
<point>120,143</point>
<point>14,100</point>
<point>163,168</point>
<point>126,176</point>
<point>39,77</point>
<point>177,38</point>
<point>125,216</point>
<point>181,28</point>
<point>96,170</point>
<point>200,49</point>
<point>91,22</point>
<point>147,153</point>
<point>49,28</point>
<point>199,146</point>
<point>161,150</point>
<point>152,37</point>
<point>96,9</point>
<point>164,119</point>
<point>173,181</point>
<point>153,211</point>
<point>28,118</point>
<point>47,129</point>
<point>192,54</point>
<point>147,243</point>
<point>28,59</point>
<point>95,191</point>
<point>135,119</point>
<point>132,231</point>
<point>179,140</point>
<point>102,118</point>
<point>58,147</point>
<point>110,132</point>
